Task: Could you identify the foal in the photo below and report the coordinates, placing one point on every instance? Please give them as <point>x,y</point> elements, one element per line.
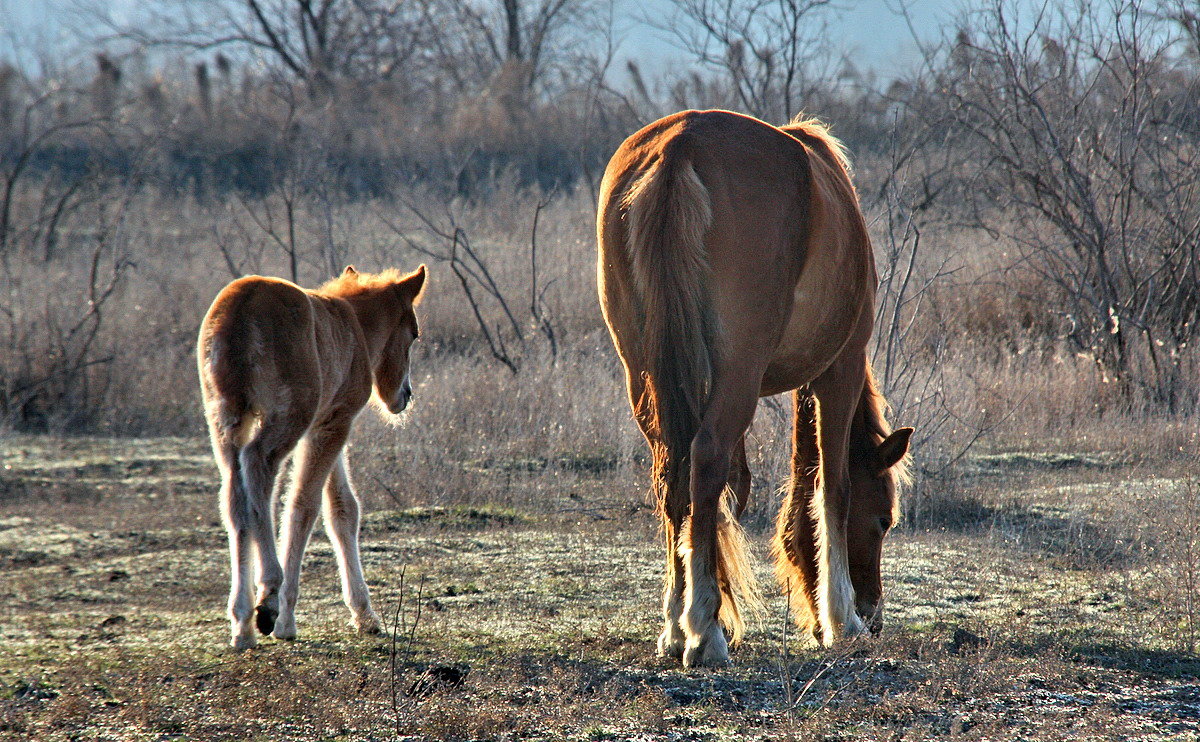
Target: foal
<point>285,368</point>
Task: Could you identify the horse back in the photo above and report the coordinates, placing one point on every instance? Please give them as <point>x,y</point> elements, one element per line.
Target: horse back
<point>789,263</point>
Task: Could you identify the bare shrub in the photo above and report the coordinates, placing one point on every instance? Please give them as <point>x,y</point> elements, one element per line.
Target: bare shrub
<point>1084,124</point>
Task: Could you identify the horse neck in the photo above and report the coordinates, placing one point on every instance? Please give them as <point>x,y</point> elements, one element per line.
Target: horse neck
<point>374,316</point>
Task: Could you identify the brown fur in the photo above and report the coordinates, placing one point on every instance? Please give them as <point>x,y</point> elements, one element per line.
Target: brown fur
<point>285,368</point>
<point>734,262</point>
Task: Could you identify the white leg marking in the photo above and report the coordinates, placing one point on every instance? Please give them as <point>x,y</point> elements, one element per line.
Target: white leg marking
<point>706,644</point>
<point>835,596</point>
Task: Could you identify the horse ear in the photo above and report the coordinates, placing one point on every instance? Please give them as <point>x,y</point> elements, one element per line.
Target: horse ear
<point>349,271</point>
<point>412,286</point>
<point>894,448</point>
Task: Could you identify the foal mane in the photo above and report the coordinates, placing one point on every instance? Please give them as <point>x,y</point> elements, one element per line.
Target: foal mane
<point>352,284</point>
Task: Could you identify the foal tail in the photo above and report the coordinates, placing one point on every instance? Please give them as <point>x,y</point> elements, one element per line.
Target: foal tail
<point>669,211</point>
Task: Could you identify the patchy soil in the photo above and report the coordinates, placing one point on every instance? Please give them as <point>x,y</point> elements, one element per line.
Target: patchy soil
<point>1030,614</point>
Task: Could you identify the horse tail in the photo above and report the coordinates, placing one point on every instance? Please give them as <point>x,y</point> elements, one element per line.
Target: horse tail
<point>669,211</point>
<point>233,415</point>
<point>227,374</point>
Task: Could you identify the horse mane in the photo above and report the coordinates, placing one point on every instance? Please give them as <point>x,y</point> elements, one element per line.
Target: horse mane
<point>816,133</point>
<point>352,284</point>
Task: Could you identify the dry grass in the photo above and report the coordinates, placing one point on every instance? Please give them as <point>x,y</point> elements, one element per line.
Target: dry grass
<point>1037,610</point>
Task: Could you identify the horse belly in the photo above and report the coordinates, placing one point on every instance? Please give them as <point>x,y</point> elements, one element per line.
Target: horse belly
<point>822,320</point>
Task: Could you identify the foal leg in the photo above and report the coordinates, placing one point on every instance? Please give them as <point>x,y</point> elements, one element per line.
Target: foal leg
<point>341,525</point>
<point>260,463</point>
<point>236,514</point>
<point>838,390</point>
<point>729,414</point>
<point>313,459</point>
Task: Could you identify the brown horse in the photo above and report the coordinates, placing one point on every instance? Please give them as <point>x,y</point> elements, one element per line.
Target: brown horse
<point>734,263</point>
<point>285,368</point>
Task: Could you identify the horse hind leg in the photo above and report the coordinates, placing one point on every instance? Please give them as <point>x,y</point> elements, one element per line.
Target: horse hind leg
<point>342,514</point>
<point>718,575</point>
<point>260,461</point>
<point>236,512</point>
<point>673,508</point>
<point>740,478</point>
<point>312,463</point>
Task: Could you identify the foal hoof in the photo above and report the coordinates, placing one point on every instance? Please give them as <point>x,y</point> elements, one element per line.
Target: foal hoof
<point>264,619</point>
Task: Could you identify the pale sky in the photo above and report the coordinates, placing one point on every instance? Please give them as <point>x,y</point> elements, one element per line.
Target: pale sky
<point>871,31</point>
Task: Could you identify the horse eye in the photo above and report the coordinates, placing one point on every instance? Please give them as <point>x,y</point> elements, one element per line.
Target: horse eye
<point>885,524</point>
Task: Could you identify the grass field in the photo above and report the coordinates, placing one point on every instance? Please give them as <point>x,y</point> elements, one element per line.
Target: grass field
<point>1032,604</point>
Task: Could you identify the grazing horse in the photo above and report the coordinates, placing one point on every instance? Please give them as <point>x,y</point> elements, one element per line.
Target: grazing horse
<point>734,263</point>
<point>285,368</point>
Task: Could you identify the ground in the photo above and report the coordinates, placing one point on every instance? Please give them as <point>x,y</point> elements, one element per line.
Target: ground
<point>1026,615</point>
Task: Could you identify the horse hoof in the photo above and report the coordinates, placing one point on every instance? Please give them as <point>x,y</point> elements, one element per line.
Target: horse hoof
<point>672,648</point>
<point>264,619</point>
<point>243,642</point>
<point>711,650</point>
<point>671,643</point>
<point>285,629</point>
<point>703,656</point>
<point>367,623</point>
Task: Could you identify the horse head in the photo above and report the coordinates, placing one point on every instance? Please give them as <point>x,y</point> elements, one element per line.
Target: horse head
<point>875,467</point>
<point>393,385</point>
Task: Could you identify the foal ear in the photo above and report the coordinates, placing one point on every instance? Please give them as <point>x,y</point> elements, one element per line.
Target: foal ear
<point>412,286</point>
<point>894,447</point>
<point>349,271</point>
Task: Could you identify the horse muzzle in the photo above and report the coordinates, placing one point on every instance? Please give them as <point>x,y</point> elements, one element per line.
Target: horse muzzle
<point>872,616</point>
<point>400,402</point>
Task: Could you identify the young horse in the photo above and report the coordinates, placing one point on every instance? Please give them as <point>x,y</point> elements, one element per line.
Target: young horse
<point>285,368</point>
<point>734,263</point>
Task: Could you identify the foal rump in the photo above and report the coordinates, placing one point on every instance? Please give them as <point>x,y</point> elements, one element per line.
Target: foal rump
<point>252,337</point>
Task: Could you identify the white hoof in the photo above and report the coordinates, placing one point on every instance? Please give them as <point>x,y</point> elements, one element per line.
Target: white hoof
<point>367,623</point>
<point>242,642</point>
<point>285,629</point>
<point>671,642</point>
<point>708,650</point>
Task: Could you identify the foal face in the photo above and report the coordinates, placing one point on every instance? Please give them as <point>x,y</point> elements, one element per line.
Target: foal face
<point>872,514</point>
<point>392,380</point>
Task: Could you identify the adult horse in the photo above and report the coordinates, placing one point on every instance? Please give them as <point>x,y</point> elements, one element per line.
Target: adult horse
<point>734,263</point>
<point>285,368</point>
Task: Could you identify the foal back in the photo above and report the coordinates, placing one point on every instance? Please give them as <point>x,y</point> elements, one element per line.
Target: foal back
<point>268,348</point>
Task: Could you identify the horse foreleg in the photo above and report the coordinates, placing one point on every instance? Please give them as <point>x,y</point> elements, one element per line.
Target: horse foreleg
<point>795,543</point>
<point>837,391</point>
<point>342,514</point>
